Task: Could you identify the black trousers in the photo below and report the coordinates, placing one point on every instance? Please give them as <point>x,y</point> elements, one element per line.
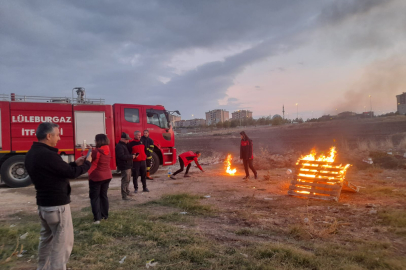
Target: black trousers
<point>250,163</point>
<point>182,166</point>
<point>140,169</point>
<point>98,198</point>
<point>149,161</point>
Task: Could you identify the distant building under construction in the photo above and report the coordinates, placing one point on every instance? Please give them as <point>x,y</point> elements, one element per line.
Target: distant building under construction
<point>190,123</point>
<point>173,119</point>
<point>216,116</point>
<point>241,114</point>
<point>401,103</point>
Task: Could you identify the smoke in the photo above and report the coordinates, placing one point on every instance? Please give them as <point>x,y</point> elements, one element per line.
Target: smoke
<point>383,80</point>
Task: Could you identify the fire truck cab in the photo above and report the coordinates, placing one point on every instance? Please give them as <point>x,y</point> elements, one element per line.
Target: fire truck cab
<point>79,120</point>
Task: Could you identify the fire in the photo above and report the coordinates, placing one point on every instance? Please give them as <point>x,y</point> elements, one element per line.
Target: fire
<point>312,156</point>
<point>227,163</point>
<point>319,176</point>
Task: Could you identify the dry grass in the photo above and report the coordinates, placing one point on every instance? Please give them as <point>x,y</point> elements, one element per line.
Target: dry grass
<point>387,144</point>
<point>344,146</point>
<point>373,145</point>
<point>402,144</point>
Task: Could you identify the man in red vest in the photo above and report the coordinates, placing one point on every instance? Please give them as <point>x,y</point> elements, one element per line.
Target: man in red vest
<point>139,165</point>
<point>186,159</point>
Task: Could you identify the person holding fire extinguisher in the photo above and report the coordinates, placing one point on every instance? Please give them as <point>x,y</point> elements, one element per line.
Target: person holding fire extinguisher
<point>149,149</point>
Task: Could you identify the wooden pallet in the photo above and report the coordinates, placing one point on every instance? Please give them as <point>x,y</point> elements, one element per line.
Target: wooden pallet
<point>319,180</point>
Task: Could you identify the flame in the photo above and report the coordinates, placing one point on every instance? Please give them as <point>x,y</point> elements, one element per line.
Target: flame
<point>317,170</point>
<point>227,162</point>
<point>312,156</point>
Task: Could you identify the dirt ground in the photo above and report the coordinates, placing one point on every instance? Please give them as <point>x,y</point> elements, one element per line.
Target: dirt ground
<point>260,209</point>
<point>261,202</point>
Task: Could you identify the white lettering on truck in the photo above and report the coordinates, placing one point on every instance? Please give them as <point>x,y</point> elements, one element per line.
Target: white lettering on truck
<point>40,119</point>
<point>31,132</point>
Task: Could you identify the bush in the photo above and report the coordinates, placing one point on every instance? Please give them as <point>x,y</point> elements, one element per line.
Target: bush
<point>386,161</point>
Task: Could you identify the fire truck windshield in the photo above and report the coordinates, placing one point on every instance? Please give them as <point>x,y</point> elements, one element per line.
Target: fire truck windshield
<point>158,118</point>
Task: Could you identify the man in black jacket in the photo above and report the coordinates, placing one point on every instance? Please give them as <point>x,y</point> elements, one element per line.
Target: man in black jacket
<point>149,149</point>
<point>124,161</point>
<point>50,176</point>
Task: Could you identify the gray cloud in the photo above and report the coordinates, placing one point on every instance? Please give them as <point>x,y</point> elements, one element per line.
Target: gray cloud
<point>118,50</point>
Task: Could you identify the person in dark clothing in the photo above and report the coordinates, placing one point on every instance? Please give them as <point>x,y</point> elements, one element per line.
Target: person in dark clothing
<point>186,159</point>
<point>139,165</point>
<point>247,155</point>
<point>124,161</point>
<point>149,149</point>
<point>50,176</point>
<point>99,178</point>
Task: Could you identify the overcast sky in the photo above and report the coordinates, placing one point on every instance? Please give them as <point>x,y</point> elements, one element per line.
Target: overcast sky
<point>194,56</point>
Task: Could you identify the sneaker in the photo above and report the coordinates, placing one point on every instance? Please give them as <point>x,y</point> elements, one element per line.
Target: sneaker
<point>172,177</point>
<point>126,199</point>
<point>246,178</point>
<point>145,190</point>
<point>186,175</point>
<point>256,176</point>
<point>97,222</point>
<point>135,190</point>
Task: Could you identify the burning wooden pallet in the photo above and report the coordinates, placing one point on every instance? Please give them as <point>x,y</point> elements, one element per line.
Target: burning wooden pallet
<point>320,178</point>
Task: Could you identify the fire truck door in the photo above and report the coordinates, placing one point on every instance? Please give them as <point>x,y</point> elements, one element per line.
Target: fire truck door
<point>132,119</point>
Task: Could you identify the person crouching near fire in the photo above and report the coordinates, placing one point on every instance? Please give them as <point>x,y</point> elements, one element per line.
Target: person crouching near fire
<point>186,159</point>
<point>139,163</point>
<point>247,155</point>
<point>99,178</point>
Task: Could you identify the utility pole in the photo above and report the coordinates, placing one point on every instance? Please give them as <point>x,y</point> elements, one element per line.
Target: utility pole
<point>283,111</point>
<point>297,111</point>
<point>370,104</point>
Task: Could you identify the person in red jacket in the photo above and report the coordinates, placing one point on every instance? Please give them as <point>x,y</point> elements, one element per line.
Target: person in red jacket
<point>99,178</point>
<point>139,163</point>
<point>247,155</point>
<point>186,159</point>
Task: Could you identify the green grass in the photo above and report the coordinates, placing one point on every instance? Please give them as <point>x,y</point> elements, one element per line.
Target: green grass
<point>142,234</point>
<point>185,202</point>
<point>395,219</point>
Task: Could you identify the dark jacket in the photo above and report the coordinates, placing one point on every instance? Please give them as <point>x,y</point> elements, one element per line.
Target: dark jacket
<point>149,145</point>
<point>136,146</point>
<point>124,159</point>
<point>100,169</point>
<point>246,151</point>
<point>50,174</point>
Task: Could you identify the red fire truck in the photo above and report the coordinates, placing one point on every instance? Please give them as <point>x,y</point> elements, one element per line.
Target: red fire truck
<point>79,120</point>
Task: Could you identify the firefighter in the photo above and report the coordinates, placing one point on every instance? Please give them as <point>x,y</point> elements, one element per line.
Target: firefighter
<point>149,149</point>
<point>247,156</point>
<point>139,166</point>
<point>186,159</point>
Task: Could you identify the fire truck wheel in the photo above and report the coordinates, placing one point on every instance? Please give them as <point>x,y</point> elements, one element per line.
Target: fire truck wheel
<point>13,172</point>
<point>154,163</point>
